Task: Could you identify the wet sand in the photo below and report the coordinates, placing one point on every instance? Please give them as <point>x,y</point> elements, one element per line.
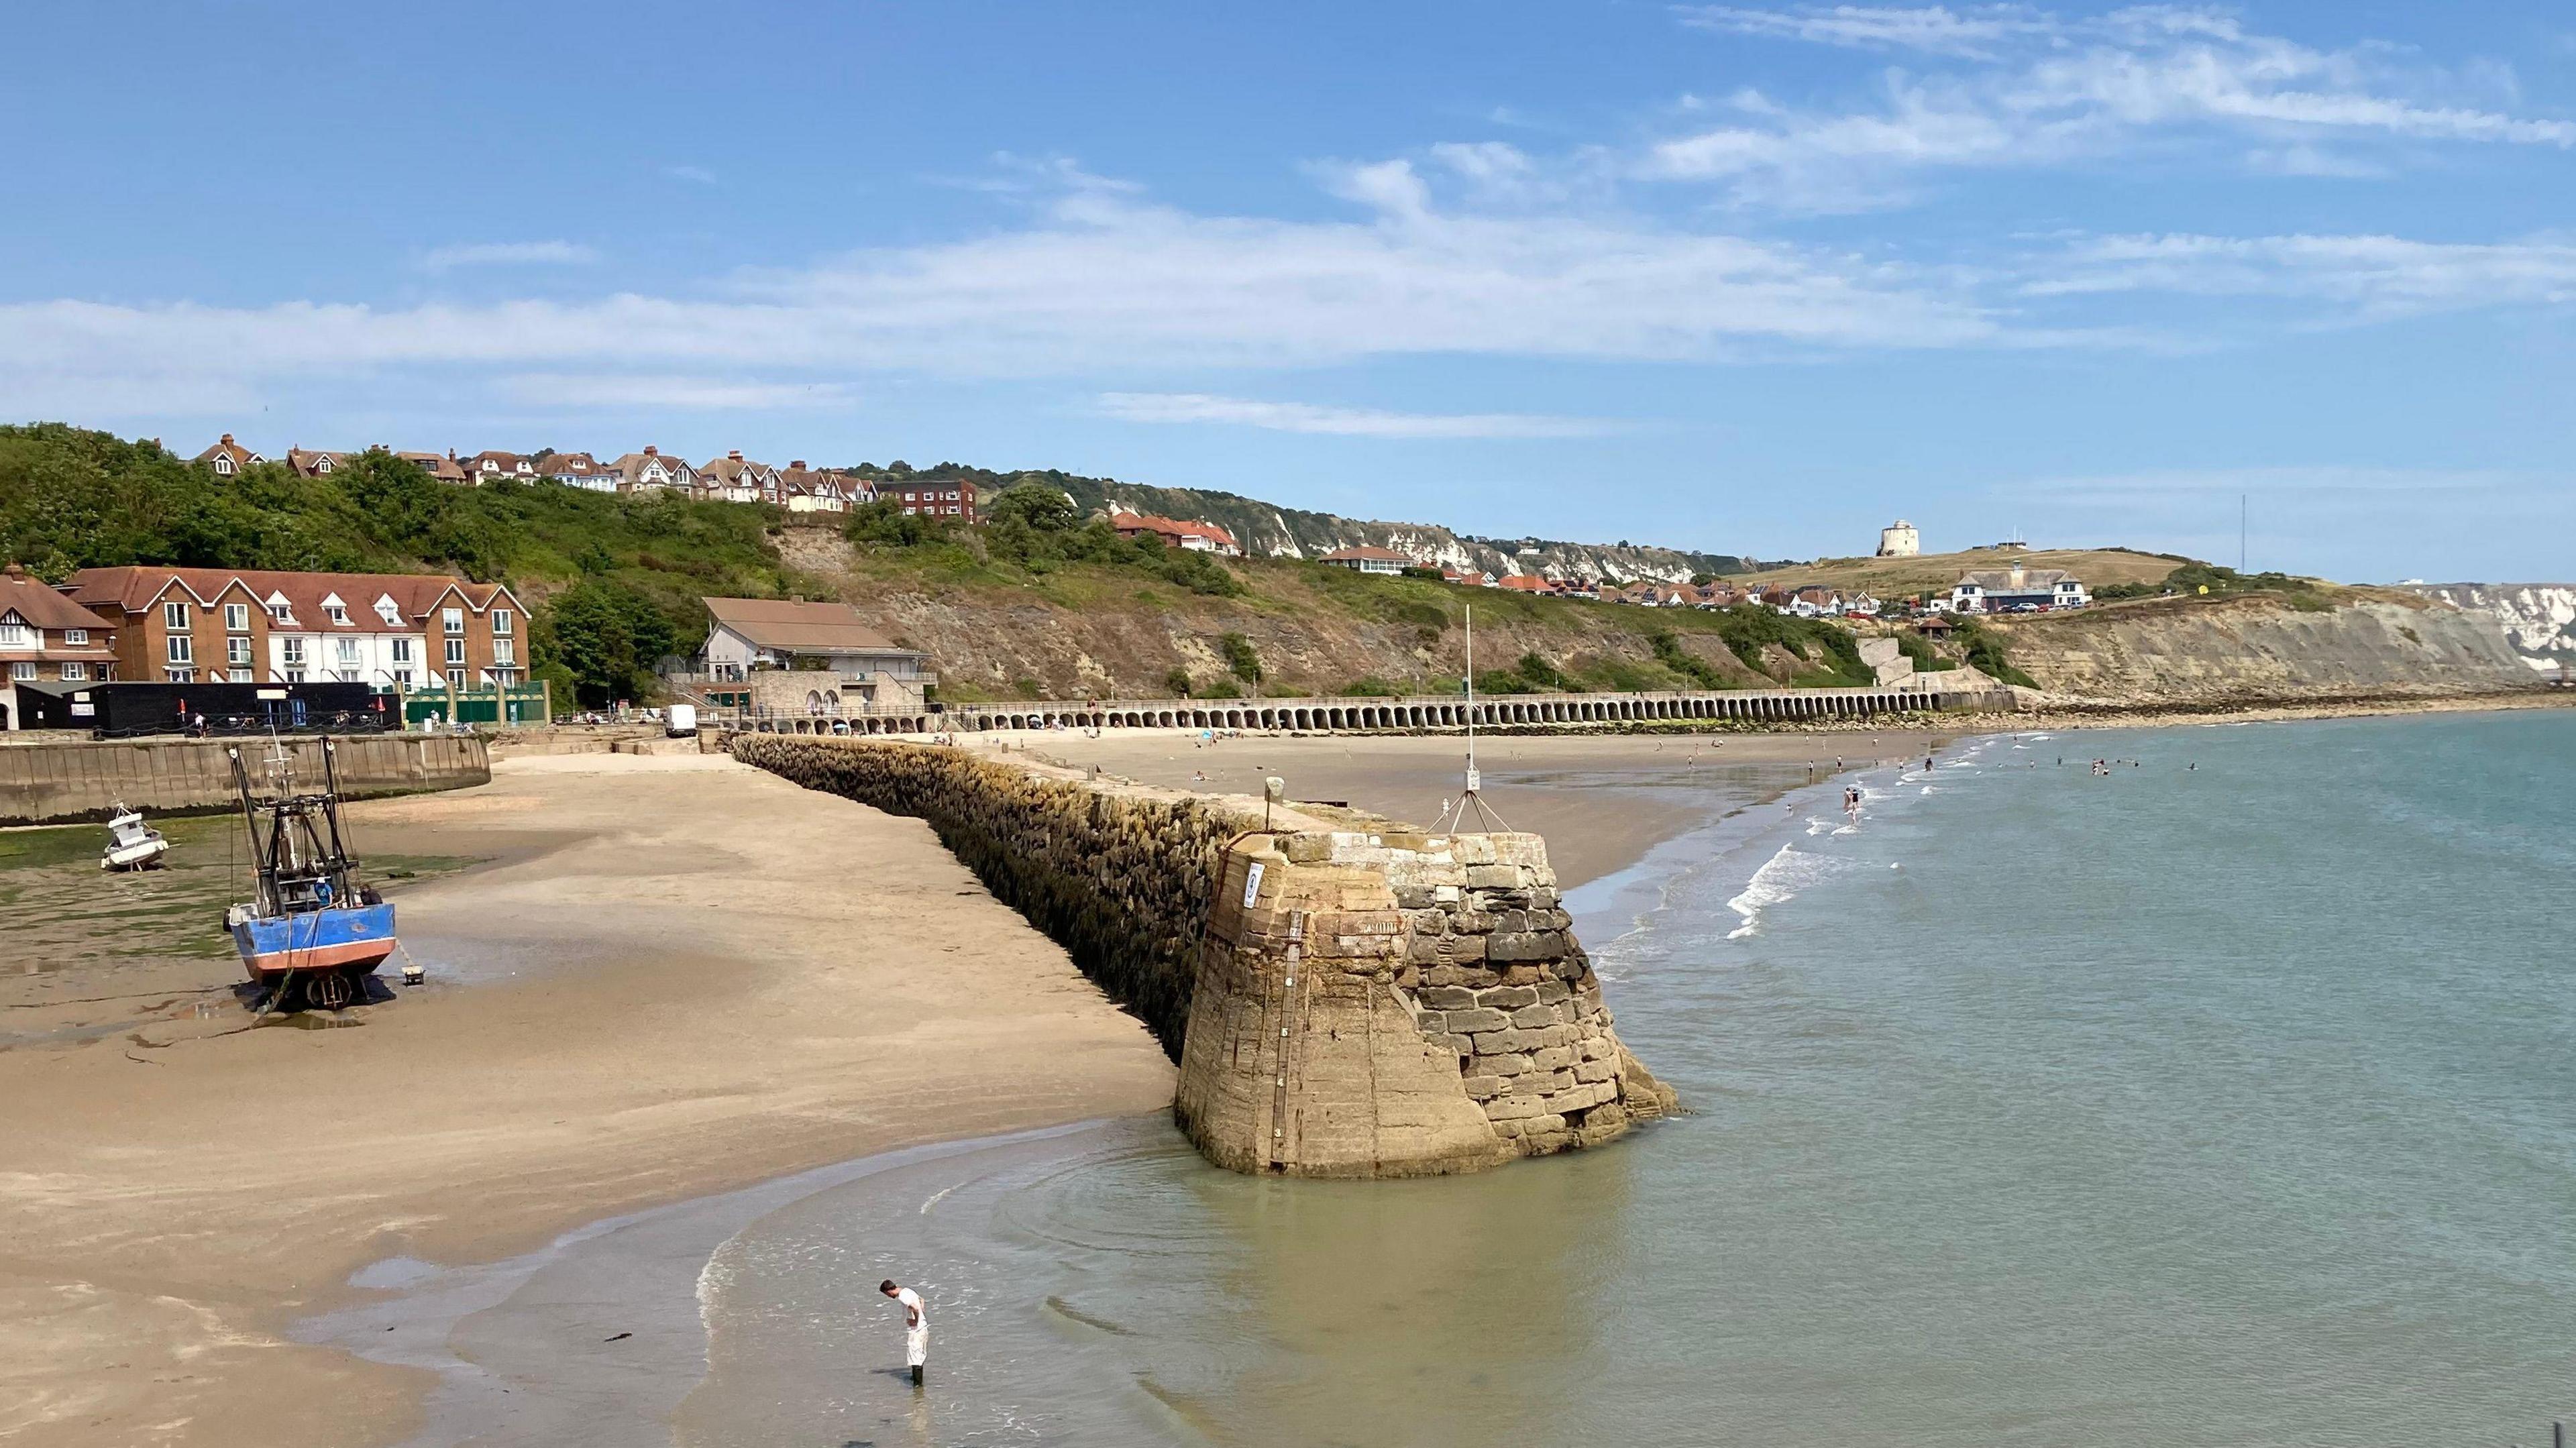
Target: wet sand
<point>687,976</point>
<point>1602,802</point>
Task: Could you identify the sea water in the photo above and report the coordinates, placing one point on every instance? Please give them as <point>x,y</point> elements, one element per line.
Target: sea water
<point>2219,1097</point>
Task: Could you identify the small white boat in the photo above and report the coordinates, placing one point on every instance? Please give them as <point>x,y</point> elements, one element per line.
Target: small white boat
<point>132,844</point>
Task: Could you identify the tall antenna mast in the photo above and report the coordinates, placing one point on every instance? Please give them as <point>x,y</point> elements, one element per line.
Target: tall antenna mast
<point>1475,782</point>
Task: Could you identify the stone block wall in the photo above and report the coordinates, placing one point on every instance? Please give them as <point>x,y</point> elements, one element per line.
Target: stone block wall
<point>1392,1003</point>
<point>1118,876</point>
<point>61,780</point>
<point>1345,996</point>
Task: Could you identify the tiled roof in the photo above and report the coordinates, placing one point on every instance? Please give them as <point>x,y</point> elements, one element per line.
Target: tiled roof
<point>416,596</point>
<point>818,628</point>
<point>41,605</point>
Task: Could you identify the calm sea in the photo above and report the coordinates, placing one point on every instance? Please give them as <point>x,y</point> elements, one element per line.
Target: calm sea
<point>2229,1098</point>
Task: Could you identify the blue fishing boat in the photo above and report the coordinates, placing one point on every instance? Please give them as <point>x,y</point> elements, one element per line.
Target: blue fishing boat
<point>314,931</point>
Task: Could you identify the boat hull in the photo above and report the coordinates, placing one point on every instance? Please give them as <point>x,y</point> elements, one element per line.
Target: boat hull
<point>357,938</point>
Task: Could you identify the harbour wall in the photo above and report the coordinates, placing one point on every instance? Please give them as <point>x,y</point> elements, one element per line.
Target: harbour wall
<point>1346,996</point>
<point>84,779</point>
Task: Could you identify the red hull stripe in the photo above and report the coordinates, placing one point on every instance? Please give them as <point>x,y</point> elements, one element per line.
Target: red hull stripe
<point>367,953</point>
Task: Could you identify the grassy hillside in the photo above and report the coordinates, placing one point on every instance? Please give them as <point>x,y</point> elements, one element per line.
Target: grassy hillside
<point>615,582</point>
<point>1266,529</point>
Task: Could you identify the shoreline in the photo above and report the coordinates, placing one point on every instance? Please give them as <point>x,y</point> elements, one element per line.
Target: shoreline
<point>146,1312</point>
<point>674,993</point>
<point>428,1305</point>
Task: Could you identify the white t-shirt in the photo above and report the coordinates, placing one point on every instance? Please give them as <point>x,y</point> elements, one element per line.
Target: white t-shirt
<point>916,1333</point>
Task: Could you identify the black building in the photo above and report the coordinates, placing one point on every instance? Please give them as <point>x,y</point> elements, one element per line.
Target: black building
<point>123,710</point>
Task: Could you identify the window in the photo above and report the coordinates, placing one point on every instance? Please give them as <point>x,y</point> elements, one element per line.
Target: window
<point>76,636</point>
<point>23,669</point>
<point>237,618</point>
<point>454,621</point>
<point>181,650</point>
<point>402,677</point>
<point>75,673</point>
<point>456,678</point>
<point>455,653</point>
<point>237,651</point>
<point>282,612</point>
<point>179,676</point>
<point>295,676</point>
<point>292,652</point>
<point>501,622</point>
<point>402,653</point>
<point>16,635</point>
<point>505,651</point>
<point>339,613</point>
<point>243,676</point>
<point>174,615</point>
<point>391,615</point>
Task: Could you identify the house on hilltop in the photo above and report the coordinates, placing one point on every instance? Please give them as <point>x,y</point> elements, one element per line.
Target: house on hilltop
<point>2017,589</point>
<point>736,479</point>
<point>1367,559</point>
<point>314,464</point>
<point>228,457</point>
<point>486,467</point>
<point>930,497</point>
<point>651,472</point>
<point>1197,537</point>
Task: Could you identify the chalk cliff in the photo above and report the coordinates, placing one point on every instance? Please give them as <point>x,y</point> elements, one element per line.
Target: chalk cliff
<point>2540,618</point>
<point>2255,650</point>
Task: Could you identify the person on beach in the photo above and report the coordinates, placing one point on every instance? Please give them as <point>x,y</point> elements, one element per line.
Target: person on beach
<point>916,1327</point>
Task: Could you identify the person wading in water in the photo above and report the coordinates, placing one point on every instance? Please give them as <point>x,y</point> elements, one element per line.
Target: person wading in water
<point>916,1327</point>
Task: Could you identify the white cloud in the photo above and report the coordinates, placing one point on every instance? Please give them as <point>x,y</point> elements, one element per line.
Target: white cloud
<point>1340,421</point>
<point>694,175</point>
<point>1099,281</point>
<point>511,253</point>
<point>2034,89</point>
<point>1974,31</point>
<point>2366,276</point>
<point>628,392</point>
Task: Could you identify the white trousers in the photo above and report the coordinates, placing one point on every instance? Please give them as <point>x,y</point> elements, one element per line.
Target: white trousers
<point>916,1345</point>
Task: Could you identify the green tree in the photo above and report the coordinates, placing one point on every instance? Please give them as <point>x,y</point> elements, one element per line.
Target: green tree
<point>1043,509</point>
<point>608,639</point>
<point>1241,659</point>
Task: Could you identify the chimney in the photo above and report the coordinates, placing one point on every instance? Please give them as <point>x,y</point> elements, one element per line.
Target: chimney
<point>798,465</point>
<point>228,440</point>
<point>651,451</point>
<point>735,455</point>
<point>16,573</point>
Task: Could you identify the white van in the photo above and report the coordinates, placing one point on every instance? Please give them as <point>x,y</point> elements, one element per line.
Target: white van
<point>683,721</point>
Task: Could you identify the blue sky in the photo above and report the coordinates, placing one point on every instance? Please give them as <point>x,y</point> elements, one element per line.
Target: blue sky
<point>1752,278</point>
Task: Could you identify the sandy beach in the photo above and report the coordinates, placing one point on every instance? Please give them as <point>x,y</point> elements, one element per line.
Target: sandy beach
<point>665,978</point>
<point>684,976</point>
<point>1602,801</point>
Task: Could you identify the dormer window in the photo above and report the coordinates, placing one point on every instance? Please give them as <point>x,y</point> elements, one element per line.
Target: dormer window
<point>14,633</point>
<point>386,610</point>
<point>282,611</point>
<point>323,466</point>
<point>224,465</point>
<point>339,613</point>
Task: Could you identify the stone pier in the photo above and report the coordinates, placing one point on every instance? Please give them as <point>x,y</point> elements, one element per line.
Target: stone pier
<point>1346,996</point>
